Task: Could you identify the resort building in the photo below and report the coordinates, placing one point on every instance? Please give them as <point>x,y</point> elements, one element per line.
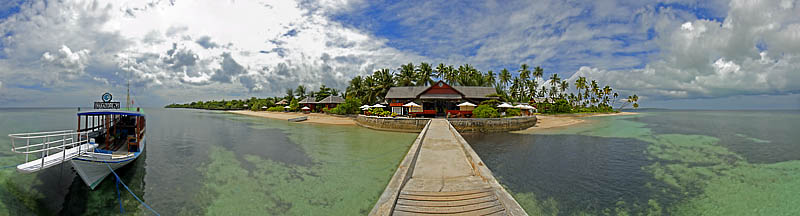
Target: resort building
<point>330,102</point>
<point>308,102</point>
<point>439,99</point>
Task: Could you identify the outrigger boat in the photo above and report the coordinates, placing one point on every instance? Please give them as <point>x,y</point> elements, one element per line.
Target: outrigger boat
<point>106,138</point>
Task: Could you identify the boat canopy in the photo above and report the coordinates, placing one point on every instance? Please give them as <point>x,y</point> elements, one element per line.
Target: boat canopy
<point>111,112</point>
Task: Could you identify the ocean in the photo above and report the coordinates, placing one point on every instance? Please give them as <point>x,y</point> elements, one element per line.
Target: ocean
<point>212,163</point>
<point>659,162</point>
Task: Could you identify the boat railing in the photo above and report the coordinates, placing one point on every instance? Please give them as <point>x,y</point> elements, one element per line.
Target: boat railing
<point>40,145</point>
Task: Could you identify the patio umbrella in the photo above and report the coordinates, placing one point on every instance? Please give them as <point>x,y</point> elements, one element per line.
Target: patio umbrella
<point>263,107</point>
<point>530,107</point>
<point>411,104</point>
<point>466,104</point>
<point>364,106</point>
<point>505,105</point>
<point>287,107</point>
<point>378,106</point>
<point>305,108</point>
<point>520,106</point>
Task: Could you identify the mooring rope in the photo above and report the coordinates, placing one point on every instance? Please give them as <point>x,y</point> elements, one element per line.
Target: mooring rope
<point>129,191</point>
<point>8,166</point>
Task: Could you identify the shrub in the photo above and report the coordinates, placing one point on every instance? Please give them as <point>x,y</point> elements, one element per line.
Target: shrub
<point>513,112</point>
<point>485,111</point>
<point>350,106</point>
<point>275,109</point>
<point>560,106</point>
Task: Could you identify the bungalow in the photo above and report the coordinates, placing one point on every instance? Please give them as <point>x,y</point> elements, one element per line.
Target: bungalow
<point>439,99</point>
<point>331,101</point>
<point>307,102</point>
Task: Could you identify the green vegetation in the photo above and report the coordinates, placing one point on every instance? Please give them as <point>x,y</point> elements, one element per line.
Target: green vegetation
<point>513,112</point>
<point>588,96</point>
<point>350,106</point>
<point>485,111</point>
<point>276,109</point>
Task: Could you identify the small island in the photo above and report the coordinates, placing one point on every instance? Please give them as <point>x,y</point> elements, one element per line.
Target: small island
<point>444,91</point>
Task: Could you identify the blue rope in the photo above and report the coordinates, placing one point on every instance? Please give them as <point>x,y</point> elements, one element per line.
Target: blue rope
<point>129,191</point>
<point>119,197</point>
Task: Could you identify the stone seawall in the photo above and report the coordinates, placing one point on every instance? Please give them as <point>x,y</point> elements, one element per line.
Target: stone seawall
<point>392,124</point>
<point>463,125</point>
<point>487,125</point>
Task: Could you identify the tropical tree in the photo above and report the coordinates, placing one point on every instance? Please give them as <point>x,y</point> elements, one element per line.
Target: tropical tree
<point>538,72</point>
<point>289,94</point>
<point>564,86</point>
<point>424,74</point>
<point>504,77</point>
<point>300,91</point>
<point>406,75</point>
<point>491,78</point>
<point>554,80</point>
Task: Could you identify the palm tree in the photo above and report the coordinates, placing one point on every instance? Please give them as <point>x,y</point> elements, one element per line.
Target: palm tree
<point>532,85</point>
<point>491,78</point>
<point>543,91</point>
<point>424,73</point>
<point>538,72</point>
<point>406,75</point>
<point>580,83</point>
<point>300,91</point>
<point>441,71</point>
<point>564,86</point>
<point>515,86</point>
<point>524,73</point>
<point>554,80</point>
<point>505,77</point>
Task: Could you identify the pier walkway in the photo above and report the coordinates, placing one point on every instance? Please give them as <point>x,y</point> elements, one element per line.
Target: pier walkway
<point>441,174</point>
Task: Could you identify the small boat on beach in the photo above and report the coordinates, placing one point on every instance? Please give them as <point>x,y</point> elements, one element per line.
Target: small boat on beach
<point>298,119</point>
<point>106,138</point>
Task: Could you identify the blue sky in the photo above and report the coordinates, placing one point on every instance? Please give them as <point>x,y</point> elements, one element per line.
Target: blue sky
<point>738,54</point>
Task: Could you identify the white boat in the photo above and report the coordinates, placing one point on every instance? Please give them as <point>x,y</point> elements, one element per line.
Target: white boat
<point>105,139</point>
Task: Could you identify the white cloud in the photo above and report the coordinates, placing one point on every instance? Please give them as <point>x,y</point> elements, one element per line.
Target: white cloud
<point>215,48</point>
<point>709,59</point>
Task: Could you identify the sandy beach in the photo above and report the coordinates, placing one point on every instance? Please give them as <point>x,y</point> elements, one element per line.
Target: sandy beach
<point>312,117</point>
<point>556,121</point>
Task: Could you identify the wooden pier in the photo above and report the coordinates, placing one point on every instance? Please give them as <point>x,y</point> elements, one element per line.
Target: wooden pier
<point>442,175</point>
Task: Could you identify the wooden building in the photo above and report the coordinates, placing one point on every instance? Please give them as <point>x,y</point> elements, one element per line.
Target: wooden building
<point>439,99</point>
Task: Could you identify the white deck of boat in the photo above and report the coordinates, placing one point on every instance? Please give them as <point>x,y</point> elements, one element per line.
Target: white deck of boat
<point>54,159</point>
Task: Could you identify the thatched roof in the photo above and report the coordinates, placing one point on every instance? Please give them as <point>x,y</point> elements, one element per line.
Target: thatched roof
<point>308,100</point>
<point>410,92</point>
<point>332,100</point>
<point>405,92</point>
<point>478,92</point>
<point>282,102</point>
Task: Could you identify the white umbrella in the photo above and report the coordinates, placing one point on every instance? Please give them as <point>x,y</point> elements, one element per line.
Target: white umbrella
<point>246,105</point>
<point>411,104</point>
<point>520,106</point>
<point>287,107</point>
<point>305,108</point>
<point>263,107</point>
<point>466,104</point>
<point>505,105</point>
<point>530,107</point>
<point>378,106</point>
<point>364,106</point>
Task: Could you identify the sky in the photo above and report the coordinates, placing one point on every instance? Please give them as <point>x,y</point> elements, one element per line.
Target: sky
<point>737,54</point>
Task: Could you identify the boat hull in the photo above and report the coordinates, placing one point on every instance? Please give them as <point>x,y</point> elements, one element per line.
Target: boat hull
<point>93,167</point>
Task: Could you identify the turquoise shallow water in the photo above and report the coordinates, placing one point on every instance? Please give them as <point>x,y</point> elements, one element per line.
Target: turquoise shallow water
<point>655,163</point>
<point>213,163</point>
